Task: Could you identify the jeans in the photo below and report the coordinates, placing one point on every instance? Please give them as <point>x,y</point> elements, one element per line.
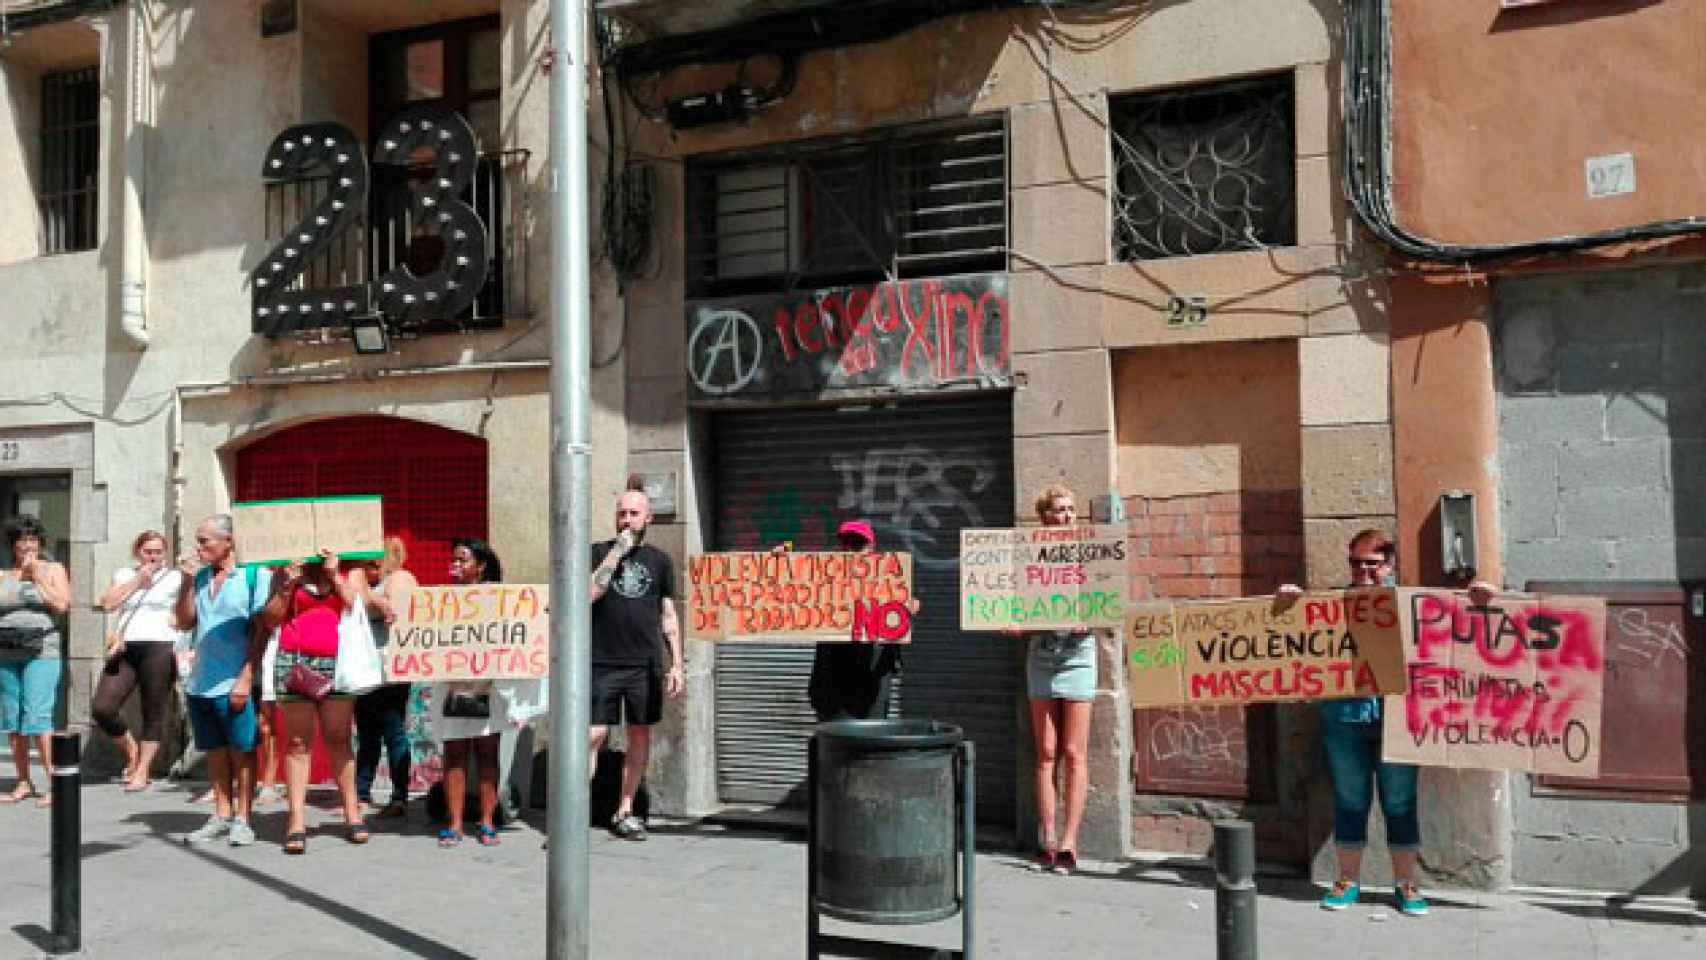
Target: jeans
<point>31,694</point>
<point>1353,760</point>
<point>381,720</point>
<point>150,663</point>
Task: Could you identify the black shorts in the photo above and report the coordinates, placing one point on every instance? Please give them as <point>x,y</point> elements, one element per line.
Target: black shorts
<point>636,692</point>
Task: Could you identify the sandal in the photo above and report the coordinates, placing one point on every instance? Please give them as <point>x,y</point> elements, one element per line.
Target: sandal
<point>488,836</point>
<point>296,843</point>
<point>357,832</point>
<point>1044,862</point>
<point>1065,862</point>
<point>448,838</point>
<point>23,791</point>
<point>131,786</point>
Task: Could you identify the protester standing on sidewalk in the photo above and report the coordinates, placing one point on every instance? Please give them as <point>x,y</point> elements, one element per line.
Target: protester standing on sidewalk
<point>854,681</point>
<point>1351,733</point>
<point>141,651</point>
<point>468,717</point>
<point>634,626</point>
<point>1060,672</point>
<point>218,603</point>
<point>307,601</point>
<point>34,594</point>
<point>381,714</point>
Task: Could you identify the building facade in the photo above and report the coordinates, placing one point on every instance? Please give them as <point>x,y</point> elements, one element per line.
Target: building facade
<point>140,208</point>
<point>910,263</point>
<point>1543,185</point>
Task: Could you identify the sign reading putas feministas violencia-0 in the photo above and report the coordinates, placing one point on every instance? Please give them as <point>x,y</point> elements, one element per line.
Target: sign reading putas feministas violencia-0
<point>1323,645</point>
<point>800,597</point>
<point>484,631</point>
<point>1043,578</point>
<point>1514,685</point>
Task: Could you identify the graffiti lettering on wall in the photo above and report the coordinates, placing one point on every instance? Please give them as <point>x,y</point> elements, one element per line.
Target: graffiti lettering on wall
<point>1515,685</point>
<point>1196,743</point>
<point>907,335</point>
<point>922,496</point>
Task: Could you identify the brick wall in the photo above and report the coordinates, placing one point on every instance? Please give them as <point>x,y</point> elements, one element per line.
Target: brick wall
<point>1215,545</point>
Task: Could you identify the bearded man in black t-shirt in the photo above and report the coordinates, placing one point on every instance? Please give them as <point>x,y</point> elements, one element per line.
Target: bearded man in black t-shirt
<point>634,628</point>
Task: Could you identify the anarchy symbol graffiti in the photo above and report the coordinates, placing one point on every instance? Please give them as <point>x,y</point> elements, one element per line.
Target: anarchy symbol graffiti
<point>724,351</point>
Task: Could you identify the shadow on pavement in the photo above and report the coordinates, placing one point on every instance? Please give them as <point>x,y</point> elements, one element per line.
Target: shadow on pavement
<point>168,827</point>
<point>39,936</point>
<point>1628,913</point>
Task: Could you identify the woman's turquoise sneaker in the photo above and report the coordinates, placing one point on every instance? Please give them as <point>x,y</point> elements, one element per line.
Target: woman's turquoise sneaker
<point>1410,902</point>
<point>1343,894</point>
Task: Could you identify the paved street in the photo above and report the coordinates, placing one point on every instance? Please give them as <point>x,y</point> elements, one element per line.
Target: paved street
<point>695,891</point>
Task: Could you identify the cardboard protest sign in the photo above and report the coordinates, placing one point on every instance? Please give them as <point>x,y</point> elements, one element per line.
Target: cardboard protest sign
<point>1343,643</point>
<point>484,631</point>
<point>800,597</point>
<point>280,531</point>
<point>1043,578</point>
<point>1514,685</point>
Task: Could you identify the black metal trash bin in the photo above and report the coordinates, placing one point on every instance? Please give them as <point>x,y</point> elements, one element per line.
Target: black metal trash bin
<point>891,826</point>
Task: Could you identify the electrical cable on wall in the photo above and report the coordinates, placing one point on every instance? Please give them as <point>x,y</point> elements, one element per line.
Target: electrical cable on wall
<point>1367,167</point>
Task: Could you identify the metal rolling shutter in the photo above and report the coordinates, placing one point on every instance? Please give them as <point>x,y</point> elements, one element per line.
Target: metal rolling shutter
<point>919,471</point>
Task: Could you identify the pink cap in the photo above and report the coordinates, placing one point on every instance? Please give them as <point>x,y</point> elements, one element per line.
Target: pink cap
<point>858,528</point>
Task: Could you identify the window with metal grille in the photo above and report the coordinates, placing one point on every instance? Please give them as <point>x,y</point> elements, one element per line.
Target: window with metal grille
<point>70,159</point>
<point>1204,170</point>
<point>912,202</point>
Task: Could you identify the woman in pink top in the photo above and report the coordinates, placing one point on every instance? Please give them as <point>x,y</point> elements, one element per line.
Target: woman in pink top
<point>306,604</point>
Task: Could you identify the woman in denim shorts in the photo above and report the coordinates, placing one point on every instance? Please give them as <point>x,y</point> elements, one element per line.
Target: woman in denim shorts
<point>34,594</point>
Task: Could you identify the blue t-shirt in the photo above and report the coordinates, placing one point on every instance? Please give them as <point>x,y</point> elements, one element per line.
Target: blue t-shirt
<point>222,627</point>
<point>1352,710</point>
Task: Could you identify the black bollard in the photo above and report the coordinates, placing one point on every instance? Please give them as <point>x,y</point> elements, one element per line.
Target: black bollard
<point>67,844</point>
<point>1234,890</point>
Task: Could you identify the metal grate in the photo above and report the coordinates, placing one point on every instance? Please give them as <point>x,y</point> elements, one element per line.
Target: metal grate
<point>433,480</point>
<point>385,236</point>
<point>915,202</point>
<point>70,160</point>
<point>1203,171</point>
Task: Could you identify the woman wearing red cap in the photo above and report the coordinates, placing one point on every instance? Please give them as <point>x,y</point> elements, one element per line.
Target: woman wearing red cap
<point>853,681</point>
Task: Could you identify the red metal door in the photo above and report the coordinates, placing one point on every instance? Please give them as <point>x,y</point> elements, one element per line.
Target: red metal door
<point>433,480</point>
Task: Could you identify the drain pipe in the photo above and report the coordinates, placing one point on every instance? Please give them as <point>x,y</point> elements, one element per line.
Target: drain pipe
<point>133,284</point>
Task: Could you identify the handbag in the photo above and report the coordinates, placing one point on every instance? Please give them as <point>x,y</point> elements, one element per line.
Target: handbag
<point>467,706</point>
<point>115,636</point>
<point>359,667</point>
<point>306,682</point>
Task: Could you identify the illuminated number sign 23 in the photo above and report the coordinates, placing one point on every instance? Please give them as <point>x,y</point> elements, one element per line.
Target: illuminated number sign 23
<point>332,151</point>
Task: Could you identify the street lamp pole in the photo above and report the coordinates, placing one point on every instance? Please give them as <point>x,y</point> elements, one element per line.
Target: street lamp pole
<point>567,913</point>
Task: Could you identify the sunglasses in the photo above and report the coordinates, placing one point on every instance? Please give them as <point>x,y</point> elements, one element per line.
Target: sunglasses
<point>1367,563</point>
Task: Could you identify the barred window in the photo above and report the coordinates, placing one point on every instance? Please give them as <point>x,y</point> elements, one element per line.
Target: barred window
<point>911,202</point>
<point>1204,170</point>
<point>70,160</point>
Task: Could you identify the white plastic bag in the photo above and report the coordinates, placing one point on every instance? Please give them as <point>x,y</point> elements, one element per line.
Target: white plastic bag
<point>359,668</point>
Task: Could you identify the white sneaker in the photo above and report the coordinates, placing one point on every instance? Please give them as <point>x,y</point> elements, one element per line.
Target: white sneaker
<point>241,834</point>
<point>215,827</point>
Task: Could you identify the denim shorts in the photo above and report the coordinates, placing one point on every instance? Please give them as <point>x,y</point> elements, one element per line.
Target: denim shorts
<point>216,728</point>
<point>29,694</point>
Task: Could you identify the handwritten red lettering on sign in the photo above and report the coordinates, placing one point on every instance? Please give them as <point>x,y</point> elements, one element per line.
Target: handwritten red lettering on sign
<point>1516,683</point>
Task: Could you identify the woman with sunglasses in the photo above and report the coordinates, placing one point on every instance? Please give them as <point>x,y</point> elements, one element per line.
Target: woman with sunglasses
<point>34,594</point>
<point>1351,731</point>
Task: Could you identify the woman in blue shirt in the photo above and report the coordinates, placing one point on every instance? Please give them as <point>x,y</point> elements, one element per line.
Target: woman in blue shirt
<point>1351,733</point>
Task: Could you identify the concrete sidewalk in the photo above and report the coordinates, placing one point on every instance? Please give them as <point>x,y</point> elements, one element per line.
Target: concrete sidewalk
<point>696,891</point>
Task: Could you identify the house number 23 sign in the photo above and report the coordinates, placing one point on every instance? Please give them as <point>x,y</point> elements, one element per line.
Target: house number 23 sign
<point>332,151</point>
